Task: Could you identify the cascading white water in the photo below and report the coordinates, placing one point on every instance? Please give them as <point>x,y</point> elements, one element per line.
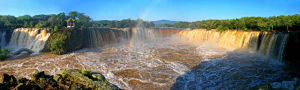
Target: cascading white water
<point>98,37</point>
<point>29,38</point>
<point>266,43</point>
<point>104,36</point>
<point>2,39</point>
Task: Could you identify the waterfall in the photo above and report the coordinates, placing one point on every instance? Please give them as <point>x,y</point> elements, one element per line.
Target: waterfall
<point>269,44</point>
<point>2,39</point>
<point>266,43</point>
<point>98,37</point>
<point>29,38</point>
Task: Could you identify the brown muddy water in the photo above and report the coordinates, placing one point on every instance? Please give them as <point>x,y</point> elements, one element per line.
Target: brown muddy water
<point>161,64</point>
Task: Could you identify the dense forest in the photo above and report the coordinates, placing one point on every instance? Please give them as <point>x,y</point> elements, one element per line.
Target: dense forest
<point>274,23</point>
<point>41,21</point>
<point>58,21</point>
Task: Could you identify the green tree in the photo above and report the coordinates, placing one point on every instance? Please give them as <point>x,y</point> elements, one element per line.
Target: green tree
<point>9,22</point>
<point>41,24</point>
<point>57,47</point>
<point>221,28</point>
<point>73,14</point>
<point>182,25</point>
<point>287,21</point>
<point>55,29</point>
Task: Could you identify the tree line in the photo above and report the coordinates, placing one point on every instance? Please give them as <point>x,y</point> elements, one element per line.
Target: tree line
<point>274,23</point>
<point>125,23</point>
<point>58,21</point>
<point>43,21</point>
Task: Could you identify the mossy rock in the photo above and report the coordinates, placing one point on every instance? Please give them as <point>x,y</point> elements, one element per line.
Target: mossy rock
<point>65,79</point>
<point>44,81</point>
<point>9,79</point>
<point>83,79</point>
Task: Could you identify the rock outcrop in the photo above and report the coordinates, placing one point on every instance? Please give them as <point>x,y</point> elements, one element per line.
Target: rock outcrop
<point>65,79</point>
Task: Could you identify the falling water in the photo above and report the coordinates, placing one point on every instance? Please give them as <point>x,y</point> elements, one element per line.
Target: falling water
<point>266,43</point>
<point>29,38</point>
<point>99,37</point>
<point>2,39</point>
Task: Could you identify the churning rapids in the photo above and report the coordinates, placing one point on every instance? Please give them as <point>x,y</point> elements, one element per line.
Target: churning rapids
<point>167,63</point>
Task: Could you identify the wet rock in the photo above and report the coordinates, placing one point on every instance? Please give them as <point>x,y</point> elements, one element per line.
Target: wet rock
<point>98,76</point>
<point>286,85</point>
<point>44,81</point>
<point>27,86</point>
<point>66,79</point>
<point>262,87</point>
<point>276,85</point>
<point>83,79</point>
<point>9,79</point>
<point>22,51</point>
<point>8,82</point>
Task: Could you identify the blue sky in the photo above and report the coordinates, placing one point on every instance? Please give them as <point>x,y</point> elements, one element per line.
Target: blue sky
<point>179,10</point>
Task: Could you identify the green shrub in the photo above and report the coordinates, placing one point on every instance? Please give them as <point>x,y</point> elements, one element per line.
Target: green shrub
<point>3,57</point>
<point>4,51</point>
<point>86,72</point>
<point>4,54</point>
<point>57,47</point>
<point>221,28</point>
<point>57,42</point>
<point>55,29</point>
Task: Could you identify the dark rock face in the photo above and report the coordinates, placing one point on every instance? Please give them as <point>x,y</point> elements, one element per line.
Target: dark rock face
<point>7,36</point>
<point>66,79</point>
<point>292,56</point>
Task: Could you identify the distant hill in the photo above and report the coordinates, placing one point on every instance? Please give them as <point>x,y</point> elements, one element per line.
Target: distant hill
<point>158,22</point>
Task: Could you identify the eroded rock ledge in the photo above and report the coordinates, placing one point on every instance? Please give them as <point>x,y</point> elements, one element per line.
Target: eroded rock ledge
<point>65,79</point>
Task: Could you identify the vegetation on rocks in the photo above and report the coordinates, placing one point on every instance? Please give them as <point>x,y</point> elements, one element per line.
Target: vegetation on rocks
<point>66,40</point>
<point>65,79</point>
<point>4,54</point>
<point>56,42</point>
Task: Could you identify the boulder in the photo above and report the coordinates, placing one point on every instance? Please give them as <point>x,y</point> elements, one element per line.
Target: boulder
<point>83,79</point>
